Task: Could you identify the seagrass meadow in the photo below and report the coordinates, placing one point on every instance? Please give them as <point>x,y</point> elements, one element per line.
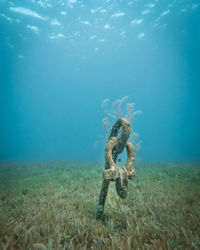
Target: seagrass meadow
<point>53,205</point>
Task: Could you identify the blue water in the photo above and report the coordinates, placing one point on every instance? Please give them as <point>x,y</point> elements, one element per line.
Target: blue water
<point>60,59</point>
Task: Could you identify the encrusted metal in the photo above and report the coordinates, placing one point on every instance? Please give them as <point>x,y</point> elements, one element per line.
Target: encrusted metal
<point>114,147</point>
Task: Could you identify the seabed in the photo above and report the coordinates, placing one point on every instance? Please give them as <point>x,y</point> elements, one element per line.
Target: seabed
<point>53,206</point>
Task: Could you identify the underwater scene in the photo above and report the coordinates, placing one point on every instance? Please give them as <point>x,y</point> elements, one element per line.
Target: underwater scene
<point>99,124</point>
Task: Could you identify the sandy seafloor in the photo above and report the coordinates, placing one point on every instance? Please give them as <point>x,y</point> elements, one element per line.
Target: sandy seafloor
<point>52,206</point>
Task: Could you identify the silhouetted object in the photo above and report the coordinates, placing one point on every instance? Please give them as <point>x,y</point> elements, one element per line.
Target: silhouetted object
<point>114,147</point>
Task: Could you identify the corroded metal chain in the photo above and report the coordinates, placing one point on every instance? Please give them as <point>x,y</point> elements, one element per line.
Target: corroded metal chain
<point>114,147</point>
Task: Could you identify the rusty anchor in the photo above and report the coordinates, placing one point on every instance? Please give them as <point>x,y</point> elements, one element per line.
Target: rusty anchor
<point>114,147</point>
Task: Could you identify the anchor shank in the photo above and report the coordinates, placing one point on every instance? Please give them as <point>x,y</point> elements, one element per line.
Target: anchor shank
<point>102,199</point>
